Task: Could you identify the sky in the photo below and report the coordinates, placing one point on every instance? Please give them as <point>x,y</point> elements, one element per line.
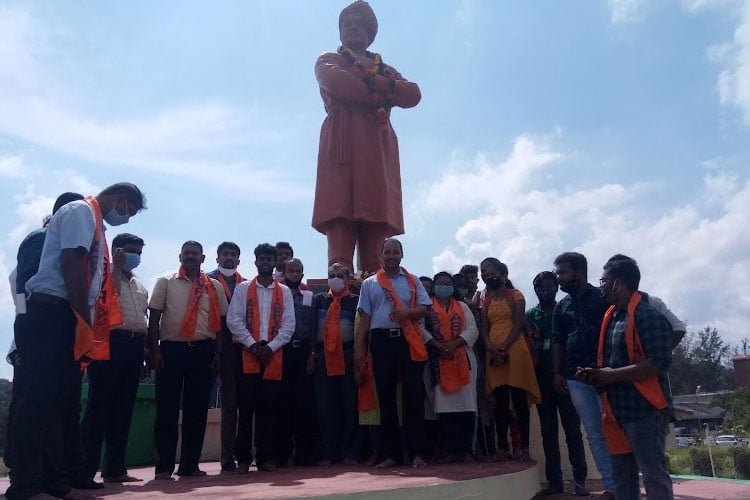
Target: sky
<point>544,127</point>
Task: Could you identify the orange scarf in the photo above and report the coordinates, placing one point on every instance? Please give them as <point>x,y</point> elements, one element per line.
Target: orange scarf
<point>366,390</point>
<point>447,326</point>
<point>332,347</point>
<point>92,341</point>
<point>617,440</point>
<point>250,363</point>
<point>410,327</point>
<point>190,321</point>
<point>221,279</point>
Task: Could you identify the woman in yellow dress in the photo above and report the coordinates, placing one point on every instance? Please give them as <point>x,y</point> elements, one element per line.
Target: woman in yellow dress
<point>510,368</point>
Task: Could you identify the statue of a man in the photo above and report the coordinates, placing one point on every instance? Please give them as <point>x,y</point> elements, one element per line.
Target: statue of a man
<point>358,189</point>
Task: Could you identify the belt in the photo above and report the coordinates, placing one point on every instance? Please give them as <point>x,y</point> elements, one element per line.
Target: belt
<point>126,334</point>
<point>391,332</point>
<point>298,343</point>
<point>48,299</point>
<point>188,343</point>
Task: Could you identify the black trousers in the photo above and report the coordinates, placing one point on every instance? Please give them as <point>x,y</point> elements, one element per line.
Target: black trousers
<point>113,386</point>
<point>186,376</point>
<point>336,402</point>
<point>503,396</point>
<point>46,450</point>
<point>552,404</point>
<point>391,363</point>
<point>258,399</point>
<point>231,369</point>
<point>298,427</point>
<point>457,431</point>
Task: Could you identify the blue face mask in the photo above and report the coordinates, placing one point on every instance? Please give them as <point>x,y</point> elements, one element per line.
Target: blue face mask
<point>443,291</point>
<point>131,261</point>
<point>115,218</point>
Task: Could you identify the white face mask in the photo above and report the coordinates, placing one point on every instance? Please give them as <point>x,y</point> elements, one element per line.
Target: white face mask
<point>336,284</point>
<point>227,272</point>
<point>278,275</point>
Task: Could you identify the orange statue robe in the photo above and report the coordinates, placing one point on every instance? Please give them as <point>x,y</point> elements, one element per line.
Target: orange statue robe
<point>359,176</point>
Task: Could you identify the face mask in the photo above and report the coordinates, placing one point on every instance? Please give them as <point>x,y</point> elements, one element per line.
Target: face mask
<point>493,283</point>
<point>115,218</point>
<point>336,284</point>
<point>292,284</point>
<point>569,287</point>
<point>227,272</point>
<point>463,292</point>
<point>443,291</point>
<point>278,275</point>
<point>132,260</point>
<point>546,295</point>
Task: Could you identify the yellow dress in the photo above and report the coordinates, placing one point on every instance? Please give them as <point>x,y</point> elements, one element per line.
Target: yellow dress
<point>518,371</point>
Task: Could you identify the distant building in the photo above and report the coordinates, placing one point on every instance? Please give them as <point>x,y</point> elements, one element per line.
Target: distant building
<point>692,411</point>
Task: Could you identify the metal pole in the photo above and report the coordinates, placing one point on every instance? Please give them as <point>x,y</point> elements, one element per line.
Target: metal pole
<point>710,455</point>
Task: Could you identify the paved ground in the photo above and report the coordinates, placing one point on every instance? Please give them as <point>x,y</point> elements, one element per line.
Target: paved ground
<point>684,489</point>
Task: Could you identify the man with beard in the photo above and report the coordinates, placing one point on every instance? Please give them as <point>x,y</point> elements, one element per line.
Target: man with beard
<point>576,320</point>
<point>261,319</point>
<point>230,353</point>
<point>185,317</point>
<point>633,355</point>
<point>298,434</point>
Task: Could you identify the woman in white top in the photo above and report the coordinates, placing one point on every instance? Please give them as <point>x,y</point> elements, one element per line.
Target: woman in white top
<point>453,368</point>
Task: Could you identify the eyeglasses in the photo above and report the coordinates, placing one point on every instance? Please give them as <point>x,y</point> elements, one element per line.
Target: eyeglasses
<point>602,281</point>
<point>341,276</point>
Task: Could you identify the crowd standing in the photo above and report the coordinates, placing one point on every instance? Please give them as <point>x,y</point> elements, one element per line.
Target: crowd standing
<point>389,369</point>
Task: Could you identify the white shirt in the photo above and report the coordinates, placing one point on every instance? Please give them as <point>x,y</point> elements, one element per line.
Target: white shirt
<point>237,315</point>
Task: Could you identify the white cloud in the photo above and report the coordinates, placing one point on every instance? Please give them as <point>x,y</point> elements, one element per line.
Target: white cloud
<point>733,81</point>
<point>195,141</point>
<point>694,256</point>
<point>12,166</point>
<point>626,11</point>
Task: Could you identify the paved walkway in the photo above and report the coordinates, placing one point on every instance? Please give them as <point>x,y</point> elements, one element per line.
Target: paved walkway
<point>684,489</point>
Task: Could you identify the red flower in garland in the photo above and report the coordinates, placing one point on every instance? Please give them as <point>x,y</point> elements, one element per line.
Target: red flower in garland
<point>383,104</point>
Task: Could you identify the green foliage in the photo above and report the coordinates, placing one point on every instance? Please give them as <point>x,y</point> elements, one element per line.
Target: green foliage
<point>701,360</point>
<point>737,406</point>
<point>741,457</point>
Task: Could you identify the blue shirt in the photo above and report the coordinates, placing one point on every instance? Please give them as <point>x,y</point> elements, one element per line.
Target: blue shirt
<point>372,300</point>
<point>71,227</point>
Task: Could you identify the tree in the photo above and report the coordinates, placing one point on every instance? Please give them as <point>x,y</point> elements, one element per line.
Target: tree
<point>701,360</point>
<point>5,392</point>
<point>737,407</point>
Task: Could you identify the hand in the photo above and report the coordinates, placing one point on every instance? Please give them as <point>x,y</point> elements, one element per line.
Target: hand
<point>359,363</point>
<point>216,363</point>
<point>446,349</point>
<point>118,257</point>
<point>560,384</point>
<point>157,362</point>
<point>264,354</point>
<point>310,368</point>
<point>598,377</point>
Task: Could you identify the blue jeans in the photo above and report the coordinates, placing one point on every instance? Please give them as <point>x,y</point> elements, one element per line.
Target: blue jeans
<point>588,406</point>
<point>647,437</point>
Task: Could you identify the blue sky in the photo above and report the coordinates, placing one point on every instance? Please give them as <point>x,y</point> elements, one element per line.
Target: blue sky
<point>547,126</point>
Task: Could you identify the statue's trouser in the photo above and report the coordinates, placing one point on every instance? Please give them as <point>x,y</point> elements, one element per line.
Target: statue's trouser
<point>343,235</point>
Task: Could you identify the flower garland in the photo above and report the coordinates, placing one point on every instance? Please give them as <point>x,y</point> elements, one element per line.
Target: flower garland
<point>383,104</point>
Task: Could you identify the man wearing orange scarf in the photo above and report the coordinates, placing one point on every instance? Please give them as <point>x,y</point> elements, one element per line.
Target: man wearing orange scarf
<point>230,353</point>
<point>392,304</point>
<point>634,355</point>
<point>261,319</point>
<point>335,387</point>
<point>185,317</point>
<point>62,294</point>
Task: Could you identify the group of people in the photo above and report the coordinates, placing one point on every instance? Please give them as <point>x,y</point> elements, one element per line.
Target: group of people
<point>392,369</point>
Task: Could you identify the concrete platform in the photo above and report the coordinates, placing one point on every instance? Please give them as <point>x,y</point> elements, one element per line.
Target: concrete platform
<point>450,482</point>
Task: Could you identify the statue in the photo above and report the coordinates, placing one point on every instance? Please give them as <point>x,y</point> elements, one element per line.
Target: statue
<point>358,188</point>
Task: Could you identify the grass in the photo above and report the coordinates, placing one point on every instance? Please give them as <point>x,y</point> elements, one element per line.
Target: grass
<point>695,461</point>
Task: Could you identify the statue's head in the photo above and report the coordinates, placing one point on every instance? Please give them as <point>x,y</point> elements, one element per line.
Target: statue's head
<point>357,25</point>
